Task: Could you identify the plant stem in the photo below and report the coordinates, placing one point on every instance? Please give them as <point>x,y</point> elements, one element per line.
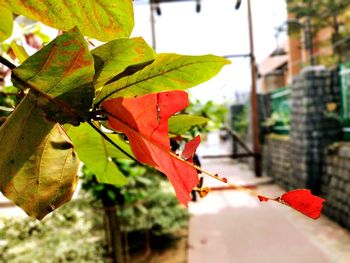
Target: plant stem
<point>7,63</point>
<point>109,140</point>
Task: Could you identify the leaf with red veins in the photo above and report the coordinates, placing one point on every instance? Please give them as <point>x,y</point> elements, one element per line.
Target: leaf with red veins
<point>144,120</point>
<point>190,148</point>
<point>301,200</point>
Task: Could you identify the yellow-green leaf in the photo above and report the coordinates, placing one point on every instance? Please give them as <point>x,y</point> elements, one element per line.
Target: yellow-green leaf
<point>167,72</point>
<point>63,71</point>
<point>121,56</point>
<point>101,19</point>
<point>38,164</point>
<point>6,23</point>
<point>96,153</point>
<point>19,51</point>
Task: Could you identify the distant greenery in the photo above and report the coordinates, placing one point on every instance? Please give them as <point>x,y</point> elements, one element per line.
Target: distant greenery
<point>216,113</point>
<point>73,233</point>
<point>145,203</point>
<point>323,13</point>
<point>240,121</point>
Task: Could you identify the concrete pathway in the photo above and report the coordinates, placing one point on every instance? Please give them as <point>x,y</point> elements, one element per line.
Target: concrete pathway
<point>229,226</point>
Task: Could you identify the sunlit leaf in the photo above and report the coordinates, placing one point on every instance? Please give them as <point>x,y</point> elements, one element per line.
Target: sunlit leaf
<point>38,164</point>
<point>96,153</point>
<point>121,57</point>
<point>181,123</point>
<point>63,70</point>
<point>6,23</point>
<point>168,72</point>
<point>101,19</point>
<point>145,122</point>
<point>19,51</point>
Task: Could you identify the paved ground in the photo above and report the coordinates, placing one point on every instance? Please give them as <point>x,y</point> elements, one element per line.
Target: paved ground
<point>230,226</point>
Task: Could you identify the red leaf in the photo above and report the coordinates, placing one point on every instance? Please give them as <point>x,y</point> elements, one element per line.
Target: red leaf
<point>303,201</point>
<point>144,120</point>
<point>263,198</point>
<point>190,148</point>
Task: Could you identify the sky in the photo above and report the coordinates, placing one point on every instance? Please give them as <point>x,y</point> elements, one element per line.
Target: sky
<point>218,29</point>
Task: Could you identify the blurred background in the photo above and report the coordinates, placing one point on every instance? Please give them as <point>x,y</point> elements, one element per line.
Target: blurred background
<point>279,119</point>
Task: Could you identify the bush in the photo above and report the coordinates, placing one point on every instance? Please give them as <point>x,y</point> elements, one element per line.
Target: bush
<point>72,233</point>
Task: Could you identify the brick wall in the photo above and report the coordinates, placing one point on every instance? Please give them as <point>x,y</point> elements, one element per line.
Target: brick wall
<point>312,156</point>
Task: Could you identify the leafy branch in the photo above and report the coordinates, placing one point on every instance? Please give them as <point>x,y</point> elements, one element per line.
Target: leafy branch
<point>67,83</point>
<point>61,105</point>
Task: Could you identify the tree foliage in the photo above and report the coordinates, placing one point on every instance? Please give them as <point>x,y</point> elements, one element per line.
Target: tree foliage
<point>321,11</point>
<point>323,14</point>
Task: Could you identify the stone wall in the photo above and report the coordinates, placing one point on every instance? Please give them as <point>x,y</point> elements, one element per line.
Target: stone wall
<point>312,126</point>
<point>312,156</point>
<point>335,187</point>
<point>276,160</point>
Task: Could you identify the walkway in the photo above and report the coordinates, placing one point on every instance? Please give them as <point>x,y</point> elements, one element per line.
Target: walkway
<point>230,226</point>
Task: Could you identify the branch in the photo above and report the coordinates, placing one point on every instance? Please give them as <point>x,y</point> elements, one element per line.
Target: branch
<point>7,63</point>
<point>110,141</point>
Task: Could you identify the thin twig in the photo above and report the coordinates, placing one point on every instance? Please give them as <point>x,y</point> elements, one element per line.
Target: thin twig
<point>7,63</point>
<point>110,141</point>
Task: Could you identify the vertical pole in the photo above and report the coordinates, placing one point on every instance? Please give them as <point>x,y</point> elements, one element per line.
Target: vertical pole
<point>308,33</point>
<point>153,28</point>
<point>309,40</point>
<point>254,99</point>
<point>113,234</point>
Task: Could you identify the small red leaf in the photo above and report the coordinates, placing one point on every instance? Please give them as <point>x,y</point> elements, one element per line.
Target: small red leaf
<point>303,201</point>
<point>190,148</point>
<point>263,198</point>
<point>144,120</point>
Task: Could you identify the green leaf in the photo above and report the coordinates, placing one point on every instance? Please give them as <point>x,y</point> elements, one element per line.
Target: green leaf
<point>121,56</point>
<point>167,72</point>
<point>181,123</point>
<point>96,153</point>
<point>38,164</point>
<point>62,72</point>
<point>6,23</point>
<point>101,19</point>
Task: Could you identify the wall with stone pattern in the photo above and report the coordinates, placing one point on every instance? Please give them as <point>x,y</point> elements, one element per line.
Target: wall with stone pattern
<point>276,160</point>
<point>335,187</point>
